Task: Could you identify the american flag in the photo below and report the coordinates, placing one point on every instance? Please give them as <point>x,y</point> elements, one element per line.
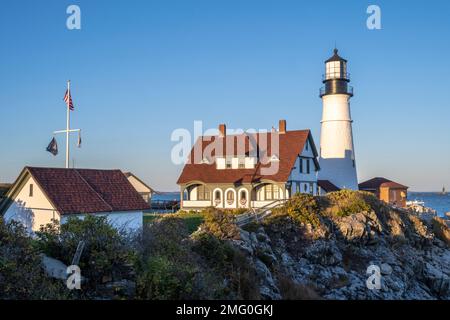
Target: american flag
<point>68,100</point>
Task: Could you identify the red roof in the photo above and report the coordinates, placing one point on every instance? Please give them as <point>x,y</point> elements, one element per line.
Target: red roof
<point>379,182</point>
<point>291,144</point>
<point>74,191</point>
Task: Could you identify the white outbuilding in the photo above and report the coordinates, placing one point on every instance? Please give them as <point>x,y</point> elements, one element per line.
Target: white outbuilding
<point>40,195</point>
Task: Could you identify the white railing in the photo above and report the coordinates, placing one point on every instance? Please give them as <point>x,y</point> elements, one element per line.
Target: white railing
<point>258,214</point>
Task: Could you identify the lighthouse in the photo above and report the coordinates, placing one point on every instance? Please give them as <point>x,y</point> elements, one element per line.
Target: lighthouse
<point>337,153</point>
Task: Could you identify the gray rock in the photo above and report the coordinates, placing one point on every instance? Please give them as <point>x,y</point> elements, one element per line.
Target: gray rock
<point>336,264</point>
<point>54,268</point>
<point>385,269</point>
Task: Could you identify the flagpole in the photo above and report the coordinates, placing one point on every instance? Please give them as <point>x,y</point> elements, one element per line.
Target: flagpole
<point>67,127</point>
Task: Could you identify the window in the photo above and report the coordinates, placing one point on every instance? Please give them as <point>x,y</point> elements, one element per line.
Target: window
<point>308,169</point>
<point>241,163</point>
<point>269,191</point>
<point>145,196</point>
<point>307,146</point>
<point>305,188</point>
<point>243,197</point>
<point>202,193</point>
<point>301,164</point>
<point>228,163</point>
<point>217,197</point>
<point>272,192</point>
<point>31,190</point>
<point>230,197</point>
<point>333,69</point>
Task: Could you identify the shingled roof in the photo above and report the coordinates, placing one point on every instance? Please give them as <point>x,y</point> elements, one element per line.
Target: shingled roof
<point>291,144</point>
<point>379,182</point>
<point>327,185</point>
<point>75,191</point>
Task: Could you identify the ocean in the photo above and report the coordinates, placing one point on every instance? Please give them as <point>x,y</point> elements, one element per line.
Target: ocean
<point>166,196</point>
<point>434,200</point>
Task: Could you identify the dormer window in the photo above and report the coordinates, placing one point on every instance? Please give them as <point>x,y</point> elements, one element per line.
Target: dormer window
<point>235,163</point>
<point>241,163</point>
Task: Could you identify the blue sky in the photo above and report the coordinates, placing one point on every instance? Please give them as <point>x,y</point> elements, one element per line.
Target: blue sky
<point>140,69</point>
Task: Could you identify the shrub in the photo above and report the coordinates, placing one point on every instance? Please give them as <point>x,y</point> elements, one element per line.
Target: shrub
<point>229,264</point>
<point>237,211</point>
<point>21,272</point>
<point>107,253</point>
<point>165,237</point>
<point>347,202</point>
<point>167,267</point>
<point>291,290</point>
<point>302,208</point>
<point>162,279</point>
<point>220,224</point>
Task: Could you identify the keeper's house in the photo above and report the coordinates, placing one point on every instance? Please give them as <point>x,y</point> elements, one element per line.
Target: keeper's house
<point>249,170</point>
<point>42,194</point>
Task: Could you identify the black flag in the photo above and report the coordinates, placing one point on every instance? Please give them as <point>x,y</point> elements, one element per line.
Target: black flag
<point>79,139</point>
<point>53,147</point>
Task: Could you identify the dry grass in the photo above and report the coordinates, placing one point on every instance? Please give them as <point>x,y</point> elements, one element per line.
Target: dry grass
<point>441,229</point>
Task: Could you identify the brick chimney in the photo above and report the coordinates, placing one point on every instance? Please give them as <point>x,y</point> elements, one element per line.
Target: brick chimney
<point>223,130</point>
<point>282,126</point>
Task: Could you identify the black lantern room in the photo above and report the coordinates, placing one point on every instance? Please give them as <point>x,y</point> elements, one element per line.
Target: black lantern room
<point>336,78</point>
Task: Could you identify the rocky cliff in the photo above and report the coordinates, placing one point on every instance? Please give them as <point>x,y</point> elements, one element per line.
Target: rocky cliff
<point>309,249</point>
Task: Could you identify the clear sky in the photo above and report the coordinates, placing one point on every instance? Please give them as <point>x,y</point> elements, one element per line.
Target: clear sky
<point>140,69</point>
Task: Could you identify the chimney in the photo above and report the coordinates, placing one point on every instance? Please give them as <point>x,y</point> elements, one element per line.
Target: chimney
<point>282,126</point>
<point>223,130</point>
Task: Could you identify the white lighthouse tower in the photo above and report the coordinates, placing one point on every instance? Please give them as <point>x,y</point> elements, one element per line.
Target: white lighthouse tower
<point>337,155</point>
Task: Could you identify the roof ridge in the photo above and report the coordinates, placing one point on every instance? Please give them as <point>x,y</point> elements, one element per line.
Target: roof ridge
<point>252,133</point>
<point>90,187</point>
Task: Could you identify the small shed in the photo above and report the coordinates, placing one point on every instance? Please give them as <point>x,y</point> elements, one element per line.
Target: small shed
<point>386,190</point>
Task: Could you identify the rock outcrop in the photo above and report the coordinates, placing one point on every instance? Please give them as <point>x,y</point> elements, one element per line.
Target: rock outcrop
<point>333,259</point>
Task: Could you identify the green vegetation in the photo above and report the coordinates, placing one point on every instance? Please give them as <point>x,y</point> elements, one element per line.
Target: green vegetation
<point>221,224</point>
<point>346,202</point>
<point>192,219</point>
<point>21,275</point>
<point>186,255</point>
<point>302,208</point>
<point>308,209</point>
<point>231,264</point>
<point>172,265</point>
<point>107,255</point>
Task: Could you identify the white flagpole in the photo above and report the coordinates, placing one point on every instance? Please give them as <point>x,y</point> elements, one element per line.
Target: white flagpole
<point>68,126</point>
